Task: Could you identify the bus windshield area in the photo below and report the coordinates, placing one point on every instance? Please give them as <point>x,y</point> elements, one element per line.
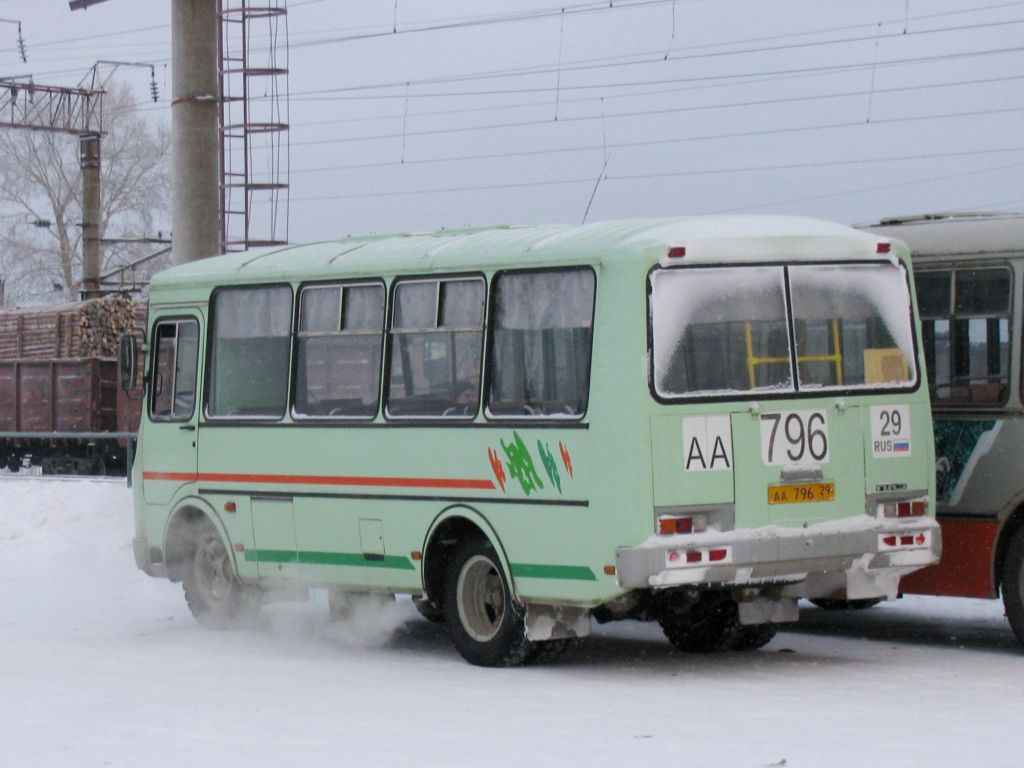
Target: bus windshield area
<point>721,331</point>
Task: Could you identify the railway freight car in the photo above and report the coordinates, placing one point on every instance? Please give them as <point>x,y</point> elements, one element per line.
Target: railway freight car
<point>58,387</point>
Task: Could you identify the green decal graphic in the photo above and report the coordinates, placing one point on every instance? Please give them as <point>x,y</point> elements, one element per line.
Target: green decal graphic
<point>520,464</point>
<point>955,442</point>
<point>550,466</point>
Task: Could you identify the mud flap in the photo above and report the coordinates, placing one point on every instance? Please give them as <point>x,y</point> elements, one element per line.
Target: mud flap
<point>762,610</point>
<point>556,622</point>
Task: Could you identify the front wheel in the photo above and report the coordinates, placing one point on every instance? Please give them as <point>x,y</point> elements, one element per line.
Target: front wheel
<point>215,596</point>
<point>1011,584</point>
<point>486,625</point>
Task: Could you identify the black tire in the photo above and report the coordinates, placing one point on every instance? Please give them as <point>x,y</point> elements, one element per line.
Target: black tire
<point>486,625</point>
<point>711,625</point>
<point>1011,584</point>
<point>753,636</point>
<point>547,651</point>
<point>428,610</point>
<point>215,596</point>
<point>847,605</point>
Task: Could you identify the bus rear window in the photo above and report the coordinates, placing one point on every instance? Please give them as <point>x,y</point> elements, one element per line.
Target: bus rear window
<point>540,344</point>
<point>719,332</point>
<point>251,347</point>
<point>852,326</point>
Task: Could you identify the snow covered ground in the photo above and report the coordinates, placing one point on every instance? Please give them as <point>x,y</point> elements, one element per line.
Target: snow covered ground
<point>101,665</point>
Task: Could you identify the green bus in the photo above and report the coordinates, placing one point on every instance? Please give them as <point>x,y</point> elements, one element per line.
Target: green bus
<point>696,421</point>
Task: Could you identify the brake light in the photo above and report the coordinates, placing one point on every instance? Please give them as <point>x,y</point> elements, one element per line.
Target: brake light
<point>916,508</point>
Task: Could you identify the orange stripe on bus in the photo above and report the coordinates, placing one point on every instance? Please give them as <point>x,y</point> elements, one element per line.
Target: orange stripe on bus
<point>375,482</point>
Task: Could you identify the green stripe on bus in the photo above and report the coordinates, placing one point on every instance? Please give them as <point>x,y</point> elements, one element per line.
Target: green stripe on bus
<point>326,558</point>
<point>567,572</point>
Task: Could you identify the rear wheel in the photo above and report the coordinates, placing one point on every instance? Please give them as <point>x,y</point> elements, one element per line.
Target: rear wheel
<point>711,625</point>
<point>486,625</point>
<point>214,595</point>
<point>753,636</point>
<point>1012,584</point>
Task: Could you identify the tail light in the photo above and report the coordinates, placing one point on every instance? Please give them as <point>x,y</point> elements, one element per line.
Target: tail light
<point>897,509</point>
<point>670,525</point>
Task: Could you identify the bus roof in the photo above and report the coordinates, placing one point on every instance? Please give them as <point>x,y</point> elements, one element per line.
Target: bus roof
<point>956,234</point>
<point>707,239</point>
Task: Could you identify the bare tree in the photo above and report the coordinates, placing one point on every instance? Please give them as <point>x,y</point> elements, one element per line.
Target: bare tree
<point>41,195</point>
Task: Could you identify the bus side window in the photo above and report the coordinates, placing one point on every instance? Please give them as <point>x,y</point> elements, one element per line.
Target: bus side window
<point>965,322</point>
<point>173,393</point>
<point>341,328</point>
<point>539,359</point>
<point>249,361</point>
<point>435,348</point>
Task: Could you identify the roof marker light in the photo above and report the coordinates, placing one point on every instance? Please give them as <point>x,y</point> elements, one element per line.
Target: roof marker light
<point>676,252</point>
<point>883,247</point>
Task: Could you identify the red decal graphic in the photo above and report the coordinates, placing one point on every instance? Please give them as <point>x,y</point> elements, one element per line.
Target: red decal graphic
<point>499,470</point>
<point>566,458</point>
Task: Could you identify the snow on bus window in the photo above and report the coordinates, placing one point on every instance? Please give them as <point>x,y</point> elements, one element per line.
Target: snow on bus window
<point>719,331</point>
<point>540,344</point>
<point>853,326</point>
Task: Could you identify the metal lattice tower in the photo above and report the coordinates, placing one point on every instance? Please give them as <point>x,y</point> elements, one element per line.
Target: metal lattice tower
<point>253,123</point>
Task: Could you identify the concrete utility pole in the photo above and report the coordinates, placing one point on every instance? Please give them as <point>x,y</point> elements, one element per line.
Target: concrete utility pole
<point>77,111</point>
<point>89,161</point>
<point>195,143</point>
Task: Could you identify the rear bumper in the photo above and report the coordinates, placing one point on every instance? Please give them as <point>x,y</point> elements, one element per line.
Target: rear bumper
<point>855,558</point>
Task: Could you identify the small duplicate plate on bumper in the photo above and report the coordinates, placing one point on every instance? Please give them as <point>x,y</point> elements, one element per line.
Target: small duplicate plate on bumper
<point>800,493</point>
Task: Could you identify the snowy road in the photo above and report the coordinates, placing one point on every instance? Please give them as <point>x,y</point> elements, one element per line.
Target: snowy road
<point>101,665</point>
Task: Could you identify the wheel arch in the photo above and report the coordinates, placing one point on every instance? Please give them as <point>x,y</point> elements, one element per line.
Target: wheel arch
<point>177,534</point>
<point>452,525</point>
<point>1010,526</point>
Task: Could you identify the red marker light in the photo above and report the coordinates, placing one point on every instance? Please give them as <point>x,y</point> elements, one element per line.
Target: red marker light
<point>883,247</point>
<point>676,252</point>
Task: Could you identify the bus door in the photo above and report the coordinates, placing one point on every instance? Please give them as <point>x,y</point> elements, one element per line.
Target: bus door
<point>169,459</point>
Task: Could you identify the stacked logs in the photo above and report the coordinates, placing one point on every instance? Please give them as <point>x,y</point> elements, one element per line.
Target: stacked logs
<point>87,329</point>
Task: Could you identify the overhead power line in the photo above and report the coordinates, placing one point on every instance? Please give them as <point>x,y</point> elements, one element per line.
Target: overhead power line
<point>654,175</point>
<point>647,60</point>
<point>651,112</point>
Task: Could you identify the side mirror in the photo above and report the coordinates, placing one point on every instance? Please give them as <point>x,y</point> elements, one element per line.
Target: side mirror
<point>128,362</point>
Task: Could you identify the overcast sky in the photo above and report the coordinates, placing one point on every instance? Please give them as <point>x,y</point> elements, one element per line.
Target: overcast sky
<point>846,111</point>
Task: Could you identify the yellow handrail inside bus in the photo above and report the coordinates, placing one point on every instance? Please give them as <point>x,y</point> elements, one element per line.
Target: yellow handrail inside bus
<point>836,358</point>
